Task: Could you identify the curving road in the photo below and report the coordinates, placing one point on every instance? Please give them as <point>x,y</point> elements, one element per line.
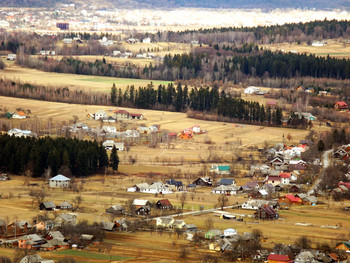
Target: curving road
<point>325,165</point>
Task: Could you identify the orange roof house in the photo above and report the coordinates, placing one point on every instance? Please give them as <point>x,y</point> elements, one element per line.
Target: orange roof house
<point>186,135</point>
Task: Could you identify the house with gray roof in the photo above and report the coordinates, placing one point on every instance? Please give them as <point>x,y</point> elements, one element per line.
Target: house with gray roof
<point>59,181</point>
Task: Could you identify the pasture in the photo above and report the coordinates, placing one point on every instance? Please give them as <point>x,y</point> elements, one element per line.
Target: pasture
<point>334,48</point>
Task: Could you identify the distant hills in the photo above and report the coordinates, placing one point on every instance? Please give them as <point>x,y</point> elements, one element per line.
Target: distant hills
<point>247,4</point>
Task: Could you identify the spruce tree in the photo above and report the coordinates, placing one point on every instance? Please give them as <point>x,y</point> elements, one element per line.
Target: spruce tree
<point>114,95</point>
<point>113,159</point>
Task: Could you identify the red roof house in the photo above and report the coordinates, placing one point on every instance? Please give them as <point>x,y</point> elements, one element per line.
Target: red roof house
<point>290,199</point>
<point>341,106</point>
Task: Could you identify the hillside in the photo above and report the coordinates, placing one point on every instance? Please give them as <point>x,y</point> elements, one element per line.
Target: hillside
<point>248,4</point>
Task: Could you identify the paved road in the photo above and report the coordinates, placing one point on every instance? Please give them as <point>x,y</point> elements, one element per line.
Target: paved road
<point>325,165</point>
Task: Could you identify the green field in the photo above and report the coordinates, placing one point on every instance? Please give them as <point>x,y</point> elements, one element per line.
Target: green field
<point>89,255</point>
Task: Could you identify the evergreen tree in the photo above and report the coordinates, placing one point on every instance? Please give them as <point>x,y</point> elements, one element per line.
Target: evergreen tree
<point>114,159</point>
<point>114,95</point>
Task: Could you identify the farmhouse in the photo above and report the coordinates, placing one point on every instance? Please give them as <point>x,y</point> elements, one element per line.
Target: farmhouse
<point>21,133</point>
<point>48,206</point>
<point>19,115</point>
<point>137,203</point>
<point>110,143</point>
<point>18,228</point>
<point>59,181</point>
<point>64,206</point>
<point>164,204</point>
<point>177,184</point>
<point>11,57</point>
<point>164,222</point>
<point>225,189</point>
<point>143,210</point>
<point>116,210</point>
<point>274,180</point>
<point>66,219</point>
<point>290,199</point>
<point>101,114</point>
<point>203,181</point>
<point>227,181</point>
<point>136,116</point>
<point>122,114</point>
<point>266,213</point>
<point>212,234</point>
<point>109,226</point>
<point>251,90</point>
<point>230,232</point>
<point>221,169</point>
<point>254,204</point>
<point>341,106</point>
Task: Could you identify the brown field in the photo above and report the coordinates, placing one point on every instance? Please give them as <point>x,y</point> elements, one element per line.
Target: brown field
<point>334,48</point>
<point>73,81</point>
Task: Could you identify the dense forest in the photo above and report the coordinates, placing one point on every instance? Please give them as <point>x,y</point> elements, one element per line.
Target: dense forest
<point>292,32</point>
<point>77,157</point>
<point>212,64</point>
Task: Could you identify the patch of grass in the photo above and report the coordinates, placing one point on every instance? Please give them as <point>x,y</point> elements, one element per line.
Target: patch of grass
<point>91,255</point>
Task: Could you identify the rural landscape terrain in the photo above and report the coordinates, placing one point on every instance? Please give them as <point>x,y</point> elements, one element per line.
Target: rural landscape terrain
<point>174,131</point>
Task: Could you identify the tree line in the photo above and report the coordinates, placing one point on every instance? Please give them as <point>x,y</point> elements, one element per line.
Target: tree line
<point>292,32</point>
<point>68,156</point>
<point>202,99</point>
<point>213,65</point>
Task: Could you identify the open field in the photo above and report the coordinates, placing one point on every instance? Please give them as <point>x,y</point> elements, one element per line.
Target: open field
<point>85,82</point>
<point>334,48</point>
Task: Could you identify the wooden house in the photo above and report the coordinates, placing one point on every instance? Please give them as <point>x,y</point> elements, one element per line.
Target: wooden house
<point>18,228</point>
<point>65,206</point>
<point>143,210</point>
<point>116,210</point>
<point>290,200</point>
<point>266,213</point>
<point>110,226</point>
<point>48,206</point>
<point>164,204</point>
<point>203,181</point>
<point>341,106</point>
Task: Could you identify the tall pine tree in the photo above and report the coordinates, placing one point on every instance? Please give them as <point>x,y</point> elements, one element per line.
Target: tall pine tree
<point>114,159</point>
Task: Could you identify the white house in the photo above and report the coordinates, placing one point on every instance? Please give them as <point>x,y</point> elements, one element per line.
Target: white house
<point>108,144</point>
<point>19,115</point>
<point>11,57</point>
<point>101,114</point>
<point>59,181</point>
<point>21,133</point>
<point>254,204</point>
<point>230,232</point>
<point>225,189</point>
<point>146,40</point>
<point>251,90</point>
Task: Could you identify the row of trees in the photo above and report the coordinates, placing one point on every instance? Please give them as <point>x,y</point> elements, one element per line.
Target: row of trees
<point>79,157</point>
<point>198,99</point>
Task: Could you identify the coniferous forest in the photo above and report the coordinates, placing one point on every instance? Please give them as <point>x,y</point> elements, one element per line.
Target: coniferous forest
<point>77,157</point>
